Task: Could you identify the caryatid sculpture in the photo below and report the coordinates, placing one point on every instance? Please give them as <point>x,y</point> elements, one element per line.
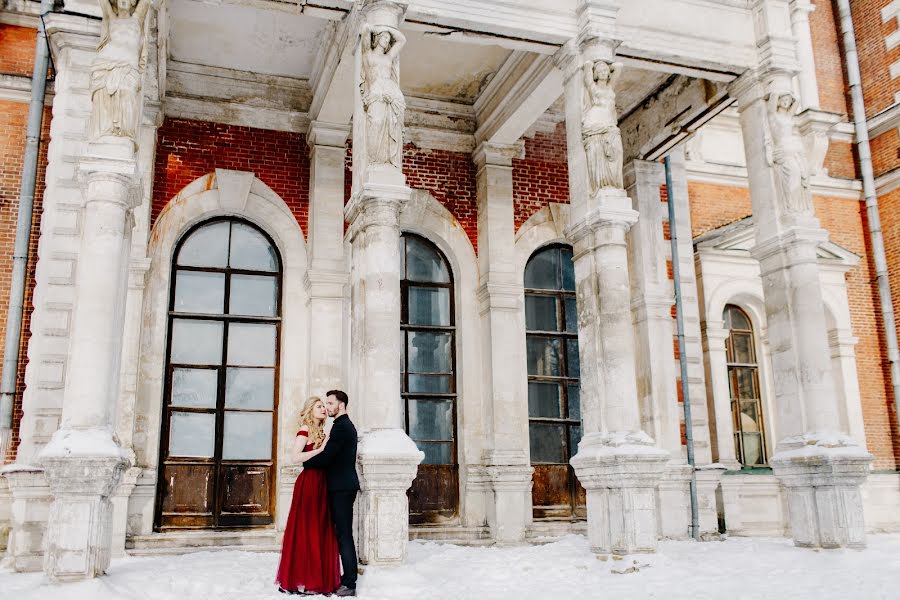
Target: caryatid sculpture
<point>786,155</point>
<point>600,125</point>
<point>116,70</point>
<point>381,96</point>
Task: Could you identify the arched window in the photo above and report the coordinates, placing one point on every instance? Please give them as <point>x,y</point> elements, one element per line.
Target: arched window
<point>217,459</point>
<point>743,381</point>
<point>429,381</point>
<point>554,408</point>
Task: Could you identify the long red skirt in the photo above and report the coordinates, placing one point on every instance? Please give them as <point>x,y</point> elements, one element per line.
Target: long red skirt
<point>309,554</point>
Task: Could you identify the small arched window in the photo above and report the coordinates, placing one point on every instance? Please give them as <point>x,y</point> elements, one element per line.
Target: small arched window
<point>743,381</point>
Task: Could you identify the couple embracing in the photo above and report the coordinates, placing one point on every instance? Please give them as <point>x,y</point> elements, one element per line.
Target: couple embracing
<point>318,539</point>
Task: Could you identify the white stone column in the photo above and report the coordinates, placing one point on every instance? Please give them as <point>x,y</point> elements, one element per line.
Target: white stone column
<point>819,464</point>
<point>327,275</point>
<point>387,457</point>
<point>806,77</point>
<point>716,361</point>
<point>617,462</point>
<point>500,296</point>
<point>651,308</point>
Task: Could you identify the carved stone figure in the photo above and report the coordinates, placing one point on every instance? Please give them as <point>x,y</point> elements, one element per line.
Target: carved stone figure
<point>116,71</point>
<point>599,125</point>
<point>381,96</point>
<point>785,153</point>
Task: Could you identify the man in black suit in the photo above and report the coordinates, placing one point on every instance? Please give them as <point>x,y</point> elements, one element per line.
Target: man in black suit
<point>338,460</point>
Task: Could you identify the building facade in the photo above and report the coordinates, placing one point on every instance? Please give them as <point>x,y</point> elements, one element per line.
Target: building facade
<point>459,213</point>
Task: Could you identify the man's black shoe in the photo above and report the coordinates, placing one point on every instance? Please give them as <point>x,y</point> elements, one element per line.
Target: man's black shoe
<point>345,591</point>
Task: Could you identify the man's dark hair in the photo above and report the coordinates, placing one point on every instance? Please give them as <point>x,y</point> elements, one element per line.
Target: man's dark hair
<point>341,396</point>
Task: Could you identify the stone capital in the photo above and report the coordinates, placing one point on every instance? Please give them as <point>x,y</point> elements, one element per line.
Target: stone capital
<point>602,220</point>
<point>83,475</point>
<point>320,283</point>
<point>499,296</point>
<point>321,133</point>
<point>500,155</point>
<point>384,12</point>
<point>597,37</point>
<point>797,243</point>
<point>376,204</point>
<point>643,172</point>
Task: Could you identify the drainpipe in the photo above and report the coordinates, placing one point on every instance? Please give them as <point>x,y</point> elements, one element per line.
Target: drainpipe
<point>23,233</point>
<point>682,356</point>
<point>868,178</point>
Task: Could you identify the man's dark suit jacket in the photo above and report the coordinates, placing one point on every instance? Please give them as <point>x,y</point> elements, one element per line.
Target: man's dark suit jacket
<point>338,459</point>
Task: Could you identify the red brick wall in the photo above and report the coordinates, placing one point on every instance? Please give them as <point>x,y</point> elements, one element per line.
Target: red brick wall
<point>841,160</point>
<point>187,150</point>
<point>450,178</point>
<point>17,49</point>
<point>715,205</point>
<point>13,121</point>
<point>874,57</point>
<point>542,176</point>
<point>885,152</point>
<point>829,58</point>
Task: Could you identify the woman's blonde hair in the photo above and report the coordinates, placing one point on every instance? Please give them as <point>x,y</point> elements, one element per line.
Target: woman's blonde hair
<point>316,432</point>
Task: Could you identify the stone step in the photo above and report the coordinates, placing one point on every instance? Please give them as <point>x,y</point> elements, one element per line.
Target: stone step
<point>182,542</point>
<point>546,531</point>
<point>453,534</point>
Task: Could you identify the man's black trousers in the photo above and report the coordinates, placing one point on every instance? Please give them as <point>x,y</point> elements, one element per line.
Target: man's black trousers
<point>342,515</point>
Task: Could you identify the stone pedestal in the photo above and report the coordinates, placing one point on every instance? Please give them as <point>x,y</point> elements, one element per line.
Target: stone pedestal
<point>29,508</point>
<point>79,529</point>
<point>387,461</point>
<point>509,513</point>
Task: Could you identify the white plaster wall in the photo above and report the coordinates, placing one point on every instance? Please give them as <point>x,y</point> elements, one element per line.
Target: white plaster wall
<point>224,193</point>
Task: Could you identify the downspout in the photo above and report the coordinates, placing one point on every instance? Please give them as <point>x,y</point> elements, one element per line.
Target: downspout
<point>682,356</point>
<point>23,233</point>
<point>868,179</point>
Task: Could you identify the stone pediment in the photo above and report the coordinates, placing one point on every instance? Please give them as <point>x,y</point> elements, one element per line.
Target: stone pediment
<point>737,238</point>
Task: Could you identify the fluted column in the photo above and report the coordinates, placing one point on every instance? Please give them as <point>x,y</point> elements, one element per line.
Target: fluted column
<point>388,458</point>
<point>500,297</point>
<point>617,463</point>
<point>819,464</point>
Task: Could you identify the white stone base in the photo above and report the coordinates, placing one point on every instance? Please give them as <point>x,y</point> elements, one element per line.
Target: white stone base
<point>881,498</point>
<point>675,501</point>
<point>621,475</point>
<point>79,528</point>
<point>509,511</point>
<point>29,510</point>
<point>387,460</point>
<point>5,513</point>
<point>822,484</point>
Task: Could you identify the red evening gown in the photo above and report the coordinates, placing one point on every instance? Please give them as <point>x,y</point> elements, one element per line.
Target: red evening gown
<point>309,554</point>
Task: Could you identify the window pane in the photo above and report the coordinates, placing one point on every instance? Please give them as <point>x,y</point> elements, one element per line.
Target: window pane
<point>573,362</point>
<point>253,295</point>
<point>543,356</point>
<point>546,443</point>
<point>423,263</point>
<point>542,271</point>
<point>575,401</point>
<point>249,388</point>
<point>568,269</point>
<point>540,313</point>
<point>431,419</point>
<point>746,382</point>
<point>752,449</point>
<point>736,319</point>
<point>247,436</point>
<point>192,434</point>
<point>196,342</point>
<point>251,344</point>
<point>571,315</point>
<point>429,352</point>
<point>206,247</point>
<point>199,292</point>
<point>743,348</point>
<point>436,453</point>
<point>749,416</point>
<point>251,250</point>
<point>429,384</point>
<point>195,387</point>
<point>429,306</point>
<point>543,399</point>
<point>575,437</point>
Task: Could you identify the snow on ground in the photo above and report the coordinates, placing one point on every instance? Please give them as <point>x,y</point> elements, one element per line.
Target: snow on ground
<point>739,568</point>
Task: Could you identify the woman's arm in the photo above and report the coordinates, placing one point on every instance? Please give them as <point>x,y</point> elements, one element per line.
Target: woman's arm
<point>399,42</point>
<point>298,455</point>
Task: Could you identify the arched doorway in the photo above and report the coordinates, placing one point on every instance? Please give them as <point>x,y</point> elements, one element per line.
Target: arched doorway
<point>429,378</point>
<point>218,439</point>
<point>554,407</point>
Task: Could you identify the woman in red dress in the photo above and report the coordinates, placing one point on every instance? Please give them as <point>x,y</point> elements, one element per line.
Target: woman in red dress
<point>310,563</point>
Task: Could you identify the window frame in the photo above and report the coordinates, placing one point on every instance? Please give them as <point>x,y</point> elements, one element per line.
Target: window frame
<point>735,401</point>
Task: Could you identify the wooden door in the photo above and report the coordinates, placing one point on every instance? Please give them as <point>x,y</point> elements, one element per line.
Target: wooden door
<point>217,449</point>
